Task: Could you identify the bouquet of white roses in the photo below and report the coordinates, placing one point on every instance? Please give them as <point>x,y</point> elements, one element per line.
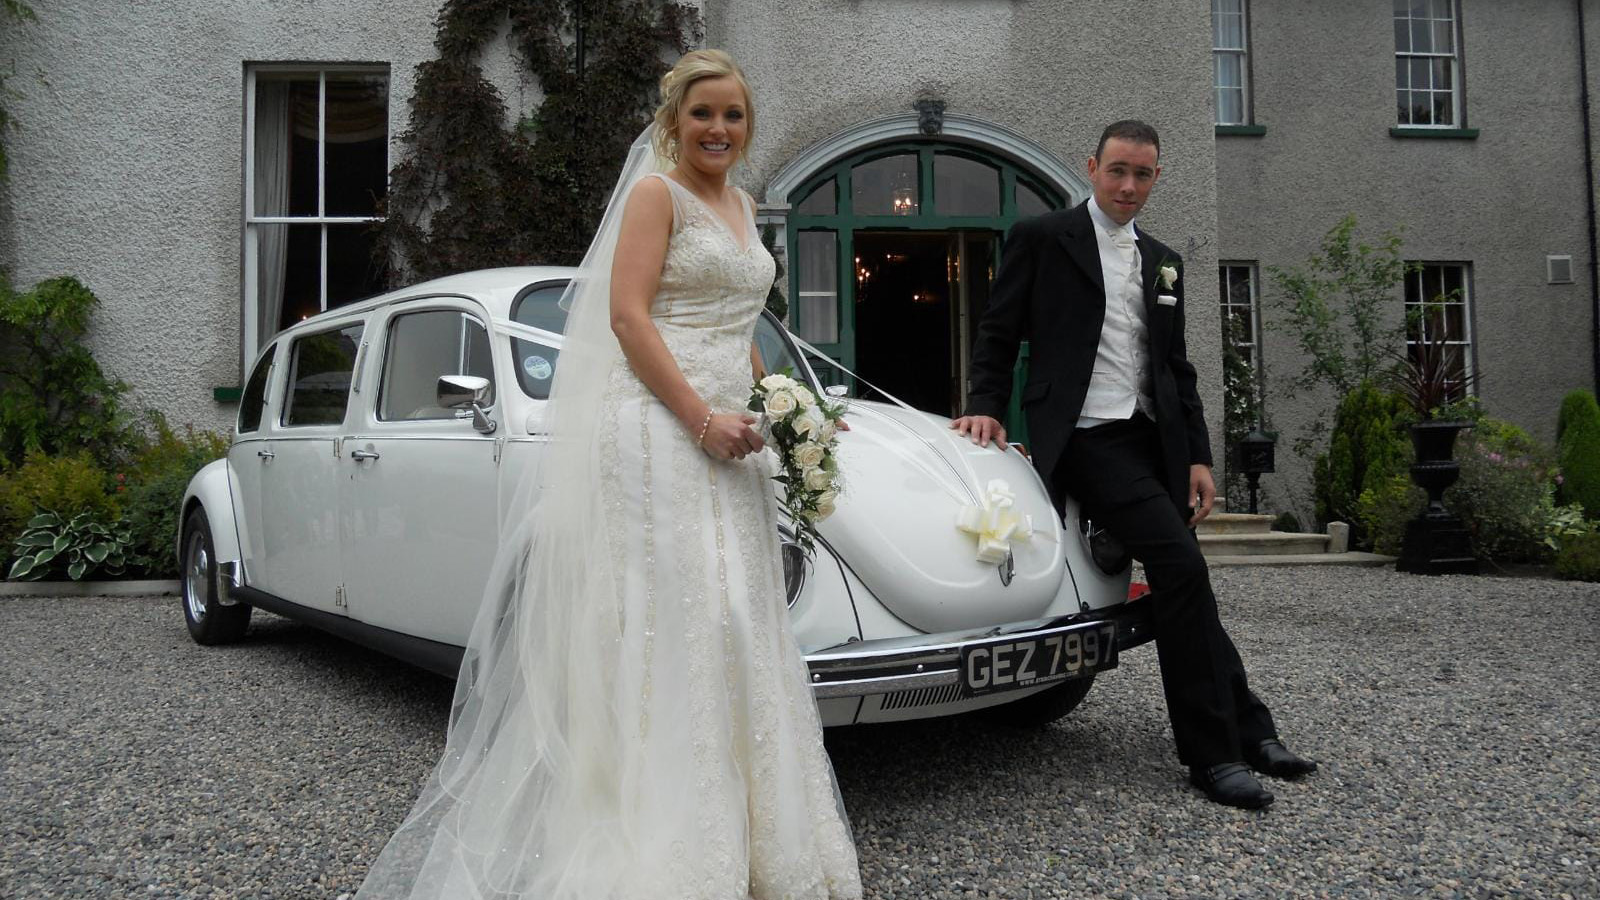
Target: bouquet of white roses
<point>803,431</point>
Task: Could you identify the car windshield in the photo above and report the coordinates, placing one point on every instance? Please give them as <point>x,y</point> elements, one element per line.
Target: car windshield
<point>539,307</point>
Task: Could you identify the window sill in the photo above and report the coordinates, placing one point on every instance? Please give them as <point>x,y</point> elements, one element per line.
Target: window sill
<point>226,394</point>
<point>1458,134</point>
<point>1241,130</point>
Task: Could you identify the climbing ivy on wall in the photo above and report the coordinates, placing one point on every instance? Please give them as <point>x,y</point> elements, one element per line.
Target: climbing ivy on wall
<point>474,191</point>
<point>16,12</point>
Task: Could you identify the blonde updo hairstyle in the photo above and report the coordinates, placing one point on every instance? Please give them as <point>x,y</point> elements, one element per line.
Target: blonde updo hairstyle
<point>697,65</point>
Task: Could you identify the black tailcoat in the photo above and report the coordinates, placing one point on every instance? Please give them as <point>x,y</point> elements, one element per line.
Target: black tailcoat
<point>1050,291</point>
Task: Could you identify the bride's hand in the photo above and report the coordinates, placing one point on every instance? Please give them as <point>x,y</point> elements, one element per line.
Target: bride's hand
<point>729,436</point>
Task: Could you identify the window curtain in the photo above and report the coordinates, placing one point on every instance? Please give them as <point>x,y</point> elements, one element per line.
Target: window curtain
<point>272,199</point>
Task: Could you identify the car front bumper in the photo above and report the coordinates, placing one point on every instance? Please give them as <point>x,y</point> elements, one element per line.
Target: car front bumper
<point>865,668</point>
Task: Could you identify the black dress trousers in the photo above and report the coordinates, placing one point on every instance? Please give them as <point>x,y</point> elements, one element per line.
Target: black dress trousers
<point>1113,471</point>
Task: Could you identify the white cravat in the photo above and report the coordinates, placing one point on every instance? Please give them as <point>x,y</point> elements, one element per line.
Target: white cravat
<point>1121,380</point>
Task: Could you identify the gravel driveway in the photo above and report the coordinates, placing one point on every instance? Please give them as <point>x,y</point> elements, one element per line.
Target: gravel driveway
<point>1456,720</point>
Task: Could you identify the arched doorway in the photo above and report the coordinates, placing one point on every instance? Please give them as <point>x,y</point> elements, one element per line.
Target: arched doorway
<point>892,249</point>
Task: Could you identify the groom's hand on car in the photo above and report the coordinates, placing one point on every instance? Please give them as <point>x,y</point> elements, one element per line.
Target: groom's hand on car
<point>981,430</point>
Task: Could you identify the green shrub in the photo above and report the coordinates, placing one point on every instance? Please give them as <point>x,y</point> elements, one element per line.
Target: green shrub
<point>54,544</point>
<point>1367,447</point>
<point>1579,558</point>
<point>1578,448</point>
<point>54,398</point>
<point>1386,507</point>
<point>67,485</point>
<point>1287,522</point>
<point>1506,493</point>
<point>161,472</point>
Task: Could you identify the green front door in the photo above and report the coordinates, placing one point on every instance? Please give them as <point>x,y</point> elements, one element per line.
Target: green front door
<point>892,252</point>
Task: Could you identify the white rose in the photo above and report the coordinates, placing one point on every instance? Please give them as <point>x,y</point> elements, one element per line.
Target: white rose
<point>1169,276</point>
<point>808,455</point>
<point>777,382</point>
<point>826,432</point>
<point>806,398</point>
<point>817,479</point>
<point>825,505</point>
<point>780,403</point>
<point>809,423</point>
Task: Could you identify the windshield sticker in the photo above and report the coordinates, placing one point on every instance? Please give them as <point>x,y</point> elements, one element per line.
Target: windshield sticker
<point>537,367</point>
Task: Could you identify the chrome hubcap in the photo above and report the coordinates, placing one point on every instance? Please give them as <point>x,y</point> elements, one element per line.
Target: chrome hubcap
<point>196,576</point>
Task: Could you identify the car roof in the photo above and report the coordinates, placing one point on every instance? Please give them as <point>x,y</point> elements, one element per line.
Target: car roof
<point>496,289</point>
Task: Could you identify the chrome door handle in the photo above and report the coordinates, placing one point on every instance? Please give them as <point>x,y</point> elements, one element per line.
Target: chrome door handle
<point>359,455</point>
<point>265,454</point>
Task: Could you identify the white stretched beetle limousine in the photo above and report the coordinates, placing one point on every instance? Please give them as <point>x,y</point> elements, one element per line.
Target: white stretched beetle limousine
<point>377,443</point>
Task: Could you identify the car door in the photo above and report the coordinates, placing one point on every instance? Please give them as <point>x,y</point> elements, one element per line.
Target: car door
<point>299,552</point>
<point>419,484</point>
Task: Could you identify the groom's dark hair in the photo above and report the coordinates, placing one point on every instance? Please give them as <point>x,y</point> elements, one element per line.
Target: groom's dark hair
<point>1131,130</point>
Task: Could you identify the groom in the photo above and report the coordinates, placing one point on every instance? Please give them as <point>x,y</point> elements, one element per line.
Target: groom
<point>1116,423</point>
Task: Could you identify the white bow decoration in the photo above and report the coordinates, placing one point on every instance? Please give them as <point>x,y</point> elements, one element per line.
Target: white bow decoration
<point>995,524</point>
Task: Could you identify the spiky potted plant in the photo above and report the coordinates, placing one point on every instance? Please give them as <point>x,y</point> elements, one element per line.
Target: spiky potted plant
<point>1428,378</point>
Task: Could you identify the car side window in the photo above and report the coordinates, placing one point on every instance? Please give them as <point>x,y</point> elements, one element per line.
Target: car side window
<point>319,376</point>
<point>423,346</point>
<point>254,401</point>
<point>535,361</point>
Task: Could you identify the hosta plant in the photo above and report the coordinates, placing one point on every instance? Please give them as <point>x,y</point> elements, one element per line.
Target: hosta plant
<point>78,546</point>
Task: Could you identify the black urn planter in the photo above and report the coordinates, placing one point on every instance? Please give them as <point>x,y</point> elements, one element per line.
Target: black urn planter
<point>1436,541</point>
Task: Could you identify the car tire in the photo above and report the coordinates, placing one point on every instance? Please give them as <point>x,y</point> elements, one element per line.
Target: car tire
<point>209,621</point>
<point>1039,710</point>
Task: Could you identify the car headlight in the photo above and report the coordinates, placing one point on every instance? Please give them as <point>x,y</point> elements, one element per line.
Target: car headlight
<point>794,565</point>
<point>1108,553</point>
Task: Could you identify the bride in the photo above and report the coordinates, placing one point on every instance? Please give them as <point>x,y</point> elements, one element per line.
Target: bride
<point>632,718</point>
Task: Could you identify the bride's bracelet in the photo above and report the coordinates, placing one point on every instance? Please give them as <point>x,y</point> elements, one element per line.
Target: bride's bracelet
<point>705,425</point>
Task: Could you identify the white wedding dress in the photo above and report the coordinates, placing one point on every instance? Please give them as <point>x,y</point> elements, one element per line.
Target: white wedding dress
<point>669,748</point>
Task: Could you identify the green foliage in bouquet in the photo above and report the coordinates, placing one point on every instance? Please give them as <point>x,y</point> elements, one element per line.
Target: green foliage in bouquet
<point>1579,559</point>
<point>54,397</point>
<point>67,484</point>
<point>160,474</point>
<point>77,546</point>
<point>1368,447</point>
<point>1578,448</point>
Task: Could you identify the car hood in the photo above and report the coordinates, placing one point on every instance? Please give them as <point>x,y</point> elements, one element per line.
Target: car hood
<point>905,484</point>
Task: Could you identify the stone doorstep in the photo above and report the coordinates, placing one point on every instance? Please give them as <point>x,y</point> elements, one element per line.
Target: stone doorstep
<point>1273,543</point>
<point>1235,523</point>
<point>1352,558</point>
<point>87,588</point>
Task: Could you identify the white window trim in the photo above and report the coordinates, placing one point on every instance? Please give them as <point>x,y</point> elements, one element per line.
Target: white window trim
<point>1457,107</point>
<point>1246,106</point>
<point>249,304</point>
<point>1254,281</point>
<point>1469,340</point>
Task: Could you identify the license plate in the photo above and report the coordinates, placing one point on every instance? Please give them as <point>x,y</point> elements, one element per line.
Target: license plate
<point>1008,665</point>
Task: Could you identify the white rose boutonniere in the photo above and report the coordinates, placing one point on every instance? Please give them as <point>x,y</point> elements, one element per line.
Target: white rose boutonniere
<point>803,430</point>
<point>1167,275</point>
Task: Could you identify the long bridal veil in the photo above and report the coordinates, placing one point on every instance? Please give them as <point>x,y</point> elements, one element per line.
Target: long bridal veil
<point>528,800</point>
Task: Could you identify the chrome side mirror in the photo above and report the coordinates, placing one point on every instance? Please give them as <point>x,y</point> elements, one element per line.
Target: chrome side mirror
<point>467,392</point>
<point>836,391</point>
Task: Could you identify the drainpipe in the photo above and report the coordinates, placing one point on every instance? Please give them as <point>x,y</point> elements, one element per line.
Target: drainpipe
<point>1588,176</point>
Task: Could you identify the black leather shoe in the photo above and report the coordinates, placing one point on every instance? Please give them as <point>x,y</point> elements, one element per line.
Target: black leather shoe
<point>1270,757</point>
<point>1231,784</point>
